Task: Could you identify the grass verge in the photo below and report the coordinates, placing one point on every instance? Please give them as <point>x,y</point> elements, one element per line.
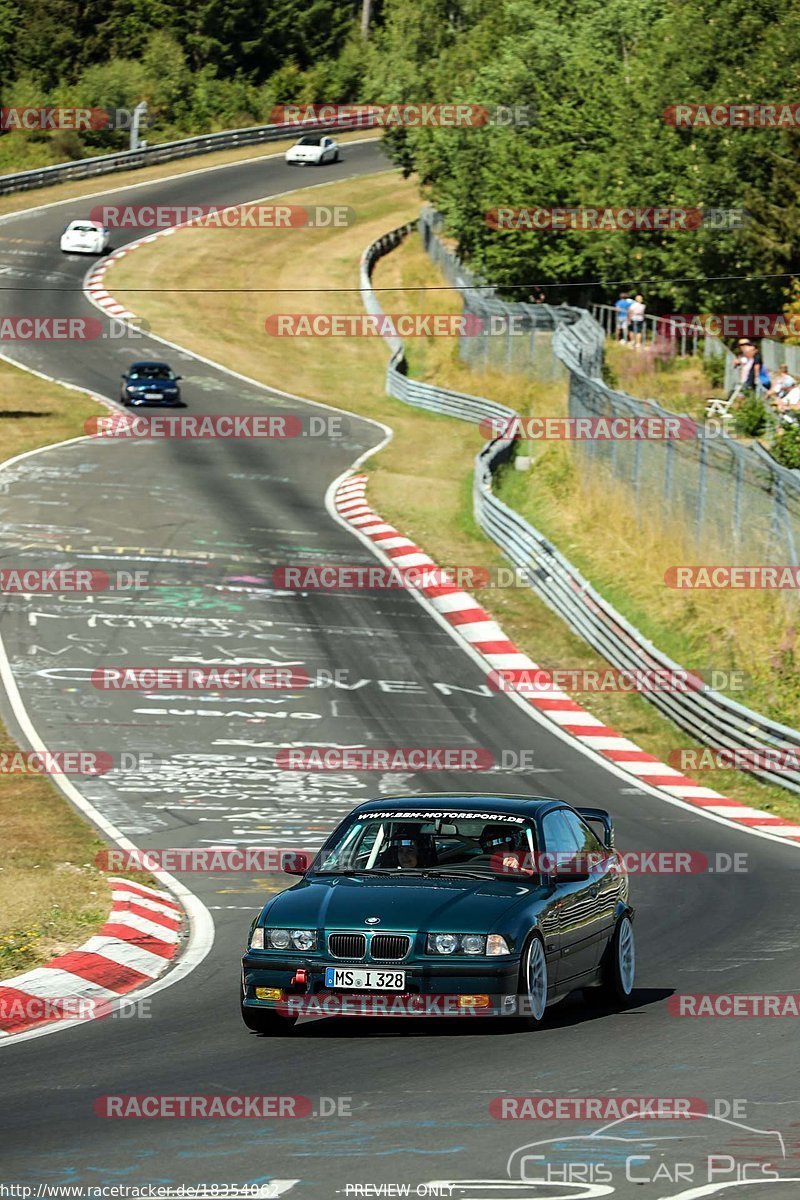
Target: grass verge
<point>422,480</point>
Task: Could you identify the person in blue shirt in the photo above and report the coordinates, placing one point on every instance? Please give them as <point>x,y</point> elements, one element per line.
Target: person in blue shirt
<point>621,308</point>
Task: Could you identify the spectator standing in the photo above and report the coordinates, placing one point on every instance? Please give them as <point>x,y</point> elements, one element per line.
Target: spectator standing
<point>621,309</point>
<point>749,363</point>
<point>636,317</point>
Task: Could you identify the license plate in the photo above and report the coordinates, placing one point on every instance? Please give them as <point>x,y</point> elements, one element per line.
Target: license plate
<point>154,395</point>
<point>368,980</point>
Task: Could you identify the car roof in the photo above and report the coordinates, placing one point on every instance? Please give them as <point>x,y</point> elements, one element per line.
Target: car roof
<point>477,802</point>
<point>85,221</point>
<point>148,362</point>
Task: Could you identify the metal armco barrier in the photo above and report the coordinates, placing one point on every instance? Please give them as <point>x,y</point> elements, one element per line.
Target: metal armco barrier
<point>129,160</point>
<point>398,383</point>
<point>708,716</point>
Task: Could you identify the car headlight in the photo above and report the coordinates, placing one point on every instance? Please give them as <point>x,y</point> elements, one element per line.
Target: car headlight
<point>291,939</point>
<point>450,943</point>
<point>257,938</point>
<point>304,939</point>
<point>279,939</point>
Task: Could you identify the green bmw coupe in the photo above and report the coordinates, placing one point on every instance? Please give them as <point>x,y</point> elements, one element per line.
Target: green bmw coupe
<point>447,905</point>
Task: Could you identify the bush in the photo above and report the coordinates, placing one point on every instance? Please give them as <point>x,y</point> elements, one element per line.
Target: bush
<point>751,419</point>
<point>715,370</point>
<point>786,450</point>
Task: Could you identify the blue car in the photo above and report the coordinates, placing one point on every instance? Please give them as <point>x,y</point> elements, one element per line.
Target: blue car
<point>456,905</point>
<point>148,383</point>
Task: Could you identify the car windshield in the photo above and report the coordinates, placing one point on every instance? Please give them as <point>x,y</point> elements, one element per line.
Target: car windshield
<point>151,371</point>
<point>83,227</point>
<point>469,845</point>
<point>310,141</point>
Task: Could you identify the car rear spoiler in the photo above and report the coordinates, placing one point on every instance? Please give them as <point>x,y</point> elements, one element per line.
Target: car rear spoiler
<point>603,818</point>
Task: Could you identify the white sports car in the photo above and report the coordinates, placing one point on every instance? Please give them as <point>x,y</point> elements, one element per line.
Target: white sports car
<point>84,237</point>
<point>312,150</point>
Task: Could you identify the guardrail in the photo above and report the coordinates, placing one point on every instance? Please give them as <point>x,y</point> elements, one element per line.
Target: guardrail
<point>128,160</point>
<point>398,382</point>
<point>709,716</point>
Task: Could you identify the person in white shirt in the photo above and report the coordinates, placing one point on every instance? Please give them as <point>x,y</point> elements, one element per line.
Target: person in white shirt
<point>782,382</point>
<point>636,318</point>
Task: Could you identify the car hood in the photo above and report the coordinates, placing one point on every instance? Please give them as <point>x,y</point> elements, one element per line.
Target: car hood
<point>452,905</point>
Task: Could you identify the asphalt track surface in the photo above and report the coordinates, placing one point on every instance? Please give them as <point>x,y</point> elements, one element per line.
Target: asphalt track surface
<point>210,520</point>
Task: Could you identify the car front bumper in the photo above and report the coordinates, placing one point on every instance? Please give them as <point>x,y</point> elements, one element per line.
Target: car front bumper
<point>143,402</point>
<point>432,988</point>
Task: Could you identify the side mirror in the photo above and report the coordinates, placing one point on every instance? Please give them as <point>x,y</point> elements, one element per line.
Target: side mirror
<point>295,862</point>
<point>567,876</point>
<point>177,377</point>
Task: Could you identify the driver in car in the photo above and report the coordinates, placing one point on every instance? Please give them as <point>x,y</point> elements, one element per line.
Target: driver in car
<point>406,850</point>
<point>504,850</point>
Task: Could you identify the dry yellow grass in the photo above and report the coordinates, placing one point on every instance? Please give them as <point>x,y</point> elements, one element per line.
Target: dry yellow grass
<point>35,413</point>
<point>421,480</point>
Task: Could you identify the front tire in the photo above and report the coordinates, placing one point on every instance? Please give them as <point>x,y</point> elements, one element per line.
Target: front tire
<point>533,984</point>
<point>617,968</point>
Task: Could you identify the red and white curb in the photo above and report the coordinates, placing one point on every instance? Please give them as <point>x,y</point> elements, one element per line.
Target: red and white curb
<point>136,945</point>
<point>471,622</point>
<point>94,283</point>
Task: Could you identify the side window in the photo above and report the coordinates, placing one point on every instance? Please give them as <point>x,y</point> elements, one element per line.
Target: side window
<point>587,842</point>
<point>559,838</point>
